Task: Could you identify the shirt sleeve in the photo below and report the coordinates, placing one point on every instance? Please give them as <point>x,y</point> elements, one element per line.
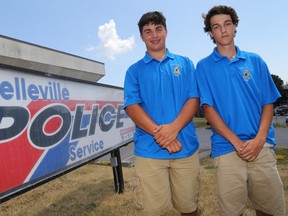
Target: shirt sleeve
<point>131,88</point>
<point>203,86</point>
<point>194,92</point>
<point>269,90</point>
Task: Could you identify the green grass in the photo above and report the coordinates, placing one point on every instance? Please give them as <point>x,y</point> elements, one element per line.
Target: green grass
<point>280,125</point>
<point>199,122</point>
<point>282,156</point>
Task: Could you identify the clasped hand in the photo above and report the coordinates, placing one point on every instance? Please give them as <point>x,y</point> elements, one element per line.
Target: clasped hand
<point>249,150</point>
<point>166,137</point>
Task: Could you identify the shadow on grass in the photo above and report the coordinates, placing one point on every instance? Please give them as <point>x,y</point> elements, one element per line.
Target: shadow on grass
<point>82,201</point>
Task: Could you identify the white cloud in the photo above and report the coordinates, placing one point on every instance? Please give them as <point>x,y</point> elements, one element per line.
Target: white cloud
<point>111,44</point>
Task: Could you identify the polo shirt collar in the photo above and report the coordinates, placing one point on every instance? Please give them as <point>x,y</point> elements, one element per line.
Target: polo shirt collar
<point>147,58</point>
<point>217,56</point>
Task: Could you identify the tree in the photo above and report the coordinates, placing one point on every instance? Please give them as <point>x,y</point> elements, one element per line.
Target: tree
<point>280,86</point>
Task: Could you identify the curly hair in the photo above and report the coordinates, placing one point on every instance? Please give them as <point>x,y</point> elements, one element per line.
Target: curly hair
<point>216,10</point>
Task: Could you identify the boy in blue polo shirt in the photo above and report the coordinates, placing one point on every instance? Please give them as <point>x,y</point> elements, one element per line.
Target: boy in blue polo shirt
<point>237,95</point>
<point>161,97</point>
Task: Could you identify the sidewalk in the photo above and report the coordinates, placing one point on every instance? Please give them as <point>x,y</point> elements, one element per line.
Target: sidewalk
<point>281,136</point>
<point>127,156</point>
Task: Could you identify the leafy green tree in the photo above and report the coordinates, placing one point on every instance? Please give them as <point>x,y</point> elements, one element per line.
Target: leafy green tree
<point>280,86</point>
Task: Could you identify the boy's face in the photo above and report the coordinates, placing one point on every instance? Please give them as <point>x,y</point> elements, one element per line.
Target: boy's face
<point>222,29</point>
<point>154,37</point>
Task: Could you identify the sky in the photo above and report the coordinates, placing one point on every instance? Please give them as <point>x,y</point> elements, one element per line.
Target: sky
<point>107,31</point>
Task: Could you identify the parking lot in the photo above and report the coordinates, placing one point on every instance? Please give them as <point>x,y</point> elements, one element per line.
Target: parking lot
<point>281,110</point>
<point>280,120</point>
<point>281,136</point>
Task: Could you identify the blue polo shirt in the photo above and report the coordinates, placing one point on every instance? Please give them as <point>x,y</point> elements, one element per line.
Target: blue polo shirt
<point>161,88</point>
<point>237,89</point>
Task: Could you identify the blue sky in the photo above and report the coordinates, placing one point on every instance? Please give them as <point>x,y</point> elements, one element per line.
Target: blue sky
<point>107,31</point>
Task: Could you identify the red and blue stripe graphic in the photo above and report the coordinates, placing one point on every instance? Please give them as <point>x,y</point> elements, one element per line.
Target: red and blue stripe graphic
<point>22,161</point>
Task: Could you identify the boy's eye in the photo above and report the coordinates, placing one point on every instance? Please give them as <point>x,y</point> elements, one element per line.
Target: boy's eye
<point>159,28</point>
<point>228,23</point>
<point>147,32</point>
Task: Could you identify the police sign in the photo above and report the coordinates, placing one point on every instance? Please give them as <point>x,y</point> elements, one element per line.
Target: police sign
<point>49,125</point>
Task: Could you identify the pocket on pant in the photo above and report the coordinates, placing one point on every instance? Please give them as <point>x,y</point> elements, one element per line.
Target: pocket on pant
<point>272,155</point>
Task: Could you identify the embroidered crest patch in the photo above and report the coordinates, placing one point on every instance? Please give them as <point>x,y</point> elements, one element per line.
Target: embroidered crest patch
<point>246,74</point>
<point>176,71</point>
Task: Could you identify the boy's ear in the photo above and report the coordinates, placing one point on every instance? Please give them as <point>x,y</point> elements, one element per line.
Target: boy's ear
<point>211,35</point>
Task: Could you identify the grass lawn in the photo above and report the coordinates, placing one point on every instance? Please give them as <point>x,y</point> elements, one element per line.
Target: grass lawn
<point>89,190</point>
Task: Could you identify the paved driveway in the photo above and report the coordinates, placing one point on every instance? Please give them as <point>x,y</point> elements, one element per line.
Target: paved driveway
<point>281,135</point>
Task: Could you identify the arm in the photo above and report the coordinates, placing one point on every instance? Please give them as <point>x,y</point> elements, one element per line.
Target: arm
<point>143,121</point>
<point>166,133</point>
<point>251,148</point>
<point>220,127</point>
<point>141,118</point>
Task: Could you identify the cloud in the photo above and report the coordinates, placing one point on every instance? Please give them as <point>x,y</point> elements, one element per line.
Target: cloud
<point>111,44</point>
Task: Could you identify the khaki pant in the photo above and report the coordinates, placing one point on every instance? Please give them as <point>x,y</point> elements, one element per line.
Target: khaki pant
<point>164,184</point>
<point>238,180</point>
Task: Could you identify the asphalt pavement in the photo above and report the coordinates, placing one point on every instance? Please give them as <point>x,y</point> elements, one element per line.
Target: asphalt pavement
<point>127,156</point>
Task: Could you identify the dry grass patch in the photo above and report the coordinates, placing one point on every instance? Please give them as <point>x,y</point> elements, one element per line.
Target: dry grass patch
<point>89,191</point>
